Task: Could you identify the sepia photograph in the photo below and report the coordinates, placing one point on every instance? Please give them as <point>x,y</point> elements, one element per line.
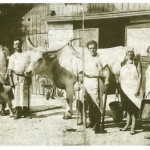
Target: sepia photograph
<point>75,74</point>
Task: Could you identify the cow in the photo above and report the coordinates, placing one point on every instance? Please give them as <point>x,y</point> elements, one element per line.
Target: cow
<point>63,65</point>
<point>6,95</point>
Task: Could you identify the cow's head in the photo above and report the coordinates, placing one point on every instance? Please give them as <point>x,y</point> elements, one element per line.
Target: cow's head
<point>42,57</point>
<point>38,61</point>
<point>38,58</point>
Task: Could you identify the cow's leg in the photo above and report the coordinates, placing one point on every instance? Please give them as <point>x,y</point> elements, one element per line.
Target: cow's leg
<point>9,105</point>
<point>69,98</point>
<point>132,131</point>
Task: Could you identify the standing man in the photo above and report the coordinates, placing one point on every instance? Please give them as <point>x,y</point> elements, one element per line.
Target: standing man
<point>20,83</point>
<point>92,71</point>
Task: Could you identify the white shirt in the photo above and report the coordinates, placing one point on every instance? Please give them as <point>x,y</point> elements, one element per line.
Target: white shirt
<point>18,62</point>
<point>92,65</point>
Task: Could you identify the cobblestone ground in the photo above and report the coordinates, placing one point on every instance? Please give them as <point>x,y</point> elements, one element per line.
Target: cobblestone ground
<point>47,128</point>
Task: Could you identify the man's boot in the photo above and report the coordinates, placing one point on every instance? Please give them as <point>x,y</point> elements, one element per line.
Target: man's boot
<point>18,112</point>
<point>92,119</point>
<point>97,128</point>
<point>3,112</point>
<point>25,112</point>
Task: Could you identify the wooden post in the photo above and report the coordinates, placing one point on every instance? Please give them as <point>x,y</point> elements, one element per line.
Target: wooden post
<point>103,115</point>
<point>83,88</point>
<point>29,80</point>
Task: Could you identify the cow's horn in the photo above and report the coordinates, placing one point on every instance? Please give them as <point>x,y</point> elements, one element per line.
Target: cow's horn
<point>29,43</point>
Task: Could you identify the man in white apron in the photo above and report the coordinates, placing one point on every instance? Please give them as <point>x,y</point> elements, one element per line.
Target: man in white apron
<point>20,83</point>
<point>130,81</point>
<point>92,70</point>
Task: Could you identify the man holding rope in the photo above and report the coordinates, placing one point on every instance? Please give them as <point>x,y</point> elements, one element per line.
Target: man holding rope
<point>20,83</point>
<point>92,72</point>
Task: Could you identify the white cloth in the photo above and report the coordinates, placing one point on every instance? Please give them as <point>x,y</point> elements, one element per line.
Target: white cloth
<point>22,85</point>
<point>93,68</point>
<point>92,65</point>
<point>18,62</point>
<point>129,81</point>
<point>91,85</point>
<point>147,86</point>
<point>21,92</point>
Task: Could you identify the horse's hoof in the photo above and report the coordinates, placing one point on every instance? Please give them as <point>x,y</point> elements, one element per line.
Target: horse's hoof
<point>67,117</point>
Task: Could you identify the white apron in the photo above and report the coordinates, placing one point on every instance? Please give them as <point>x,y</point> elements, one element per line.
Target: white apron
<point>92,67</point>
<point>147,84</point>
<point>128,81</point>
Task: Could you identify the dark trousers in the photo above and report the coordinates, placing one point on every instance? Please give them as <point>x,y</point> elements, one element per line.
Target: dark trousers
<point>3,105</point>
<point>94,114</point>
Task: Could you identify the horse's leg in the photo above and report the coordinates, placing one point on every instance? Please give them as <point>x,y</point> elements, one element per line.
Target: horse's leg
<point>69,98</point>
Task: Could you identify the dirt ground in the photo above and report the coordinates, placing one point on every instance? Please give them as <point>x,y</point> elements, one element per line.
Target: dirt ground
<point>47,128</point>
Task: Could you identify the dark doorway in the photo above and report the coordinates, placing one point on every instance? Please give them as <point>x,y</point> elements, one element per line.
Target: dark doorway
<point>111,31</point>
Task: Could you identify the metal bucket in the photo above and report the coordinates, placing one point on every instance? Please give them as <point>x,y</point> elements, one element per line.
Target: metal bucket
<point>116,111</point>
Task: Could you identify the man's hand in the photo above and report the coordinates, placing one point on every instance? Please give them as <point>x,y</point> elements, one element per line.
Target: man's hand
<point>77,88</point>
<point>137,93</point>
<point>12,86</point>
<point>106,85</point>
